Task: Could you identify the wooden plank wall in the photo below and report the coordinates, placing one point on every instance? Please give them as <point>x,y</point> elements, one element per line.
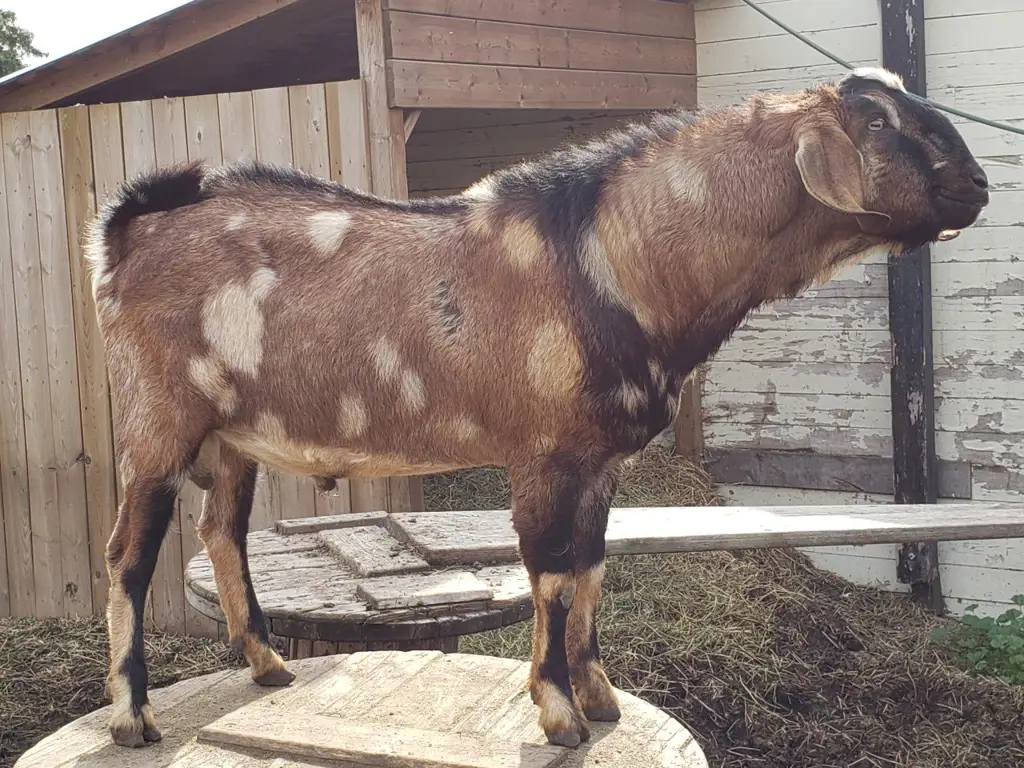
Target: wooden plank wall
<point>813,373</point>
<point>58,486</point>
<point>545,54</point>
<point>451,149</point>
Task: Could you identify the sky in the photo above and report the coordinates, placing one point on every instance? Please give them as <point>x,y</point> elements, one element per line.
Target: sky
<point>62,26</point>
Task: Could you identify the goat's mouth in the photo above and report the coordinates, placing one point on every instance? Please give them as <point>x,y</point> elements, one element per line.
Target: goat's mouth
<point>958,211</point>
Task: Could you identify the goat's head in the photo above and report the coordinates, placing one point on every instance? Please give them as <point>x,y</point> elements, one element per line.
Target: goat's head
<point>896,163</point>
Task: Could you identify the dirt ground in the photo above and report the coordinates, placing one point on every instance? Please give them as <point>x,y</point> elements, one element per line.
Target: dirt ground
<point>768,661</point>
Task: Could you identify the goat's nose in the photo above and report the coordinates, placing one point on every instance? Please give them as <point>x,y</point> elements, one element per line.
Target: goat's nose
<point>980,179</point>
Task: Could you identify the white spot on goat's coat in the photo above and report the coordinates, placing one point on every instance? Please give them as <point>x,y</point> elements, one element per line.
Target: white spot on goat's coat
<point>554,364</point>
<point>233,321</point>
<point>353,418</point>
<point>237,221</point>
<point>632,397</point>
<point>386,359</point>
<point>327,230</point>
<point>483,190</point>
<point>212,381</point>
<point>413,392</point>
<point>686,181</point>
<point>598,269</point>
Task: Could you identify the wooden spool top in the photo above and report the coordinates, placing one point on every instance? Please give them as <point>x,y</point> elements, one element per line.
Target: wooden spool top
<point>371,577</point>
<point>388,709</point>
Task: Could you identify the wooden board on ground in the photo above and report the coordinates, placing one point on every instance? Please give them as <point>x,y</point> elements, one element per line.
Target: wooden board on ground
<point>444,538</point>
<point>370,550</point>
<point>320,736</point>
<point>430,589</point>
<point>328,522</point>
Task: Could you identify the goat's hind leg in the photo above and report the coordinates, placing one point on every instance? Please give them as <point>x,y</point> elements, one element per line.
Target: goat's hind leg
<point>223,528</point>
<point>146,511</point>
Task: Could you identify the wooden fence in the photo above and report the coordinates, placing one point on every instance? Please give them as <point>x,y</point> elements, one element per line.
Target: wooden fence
<point>58,486</point>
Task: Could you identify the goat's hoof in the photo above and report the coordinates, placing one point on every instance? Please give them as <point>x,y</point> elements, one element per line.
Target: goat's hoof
<point>151,733</point>
<point>128,735</point>
<point>275,678</point>
<point>604,712</point>
<point>570,736</point>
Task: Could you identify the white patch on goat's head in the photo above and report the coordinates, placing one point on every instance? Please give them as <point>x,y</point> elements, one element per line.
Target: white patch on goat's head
<point>386,359</point>
<point>598,269</point>
<point>414,393</point>
<point>883,76</point>
<point>631,397</point>
<point>524,246</point>
<point>212,381</point>
<point>233,321</point>
<point>482,191</point>
<point>353,417</point>
<point>236,221</point>
<point>554,364</point>
<point>327,230</point>
<point>686,181</point>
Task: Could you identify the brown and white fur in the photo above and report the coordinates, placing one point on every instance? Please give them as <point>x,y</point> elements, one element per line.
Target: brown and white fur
<point>543,321</point>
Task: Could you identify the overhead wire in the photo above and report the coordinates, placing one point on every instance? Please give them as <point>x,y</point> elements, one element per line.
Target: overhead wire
<point>828,54</point>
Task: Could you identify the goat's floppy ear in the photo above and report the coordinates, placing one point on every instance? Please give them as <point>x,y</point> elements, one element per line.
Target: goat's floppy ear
<point>830,168</point>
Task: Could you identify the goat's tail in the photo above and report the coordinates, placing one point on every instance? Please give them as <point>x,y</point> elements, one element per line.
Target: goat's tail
<point>161,190</point>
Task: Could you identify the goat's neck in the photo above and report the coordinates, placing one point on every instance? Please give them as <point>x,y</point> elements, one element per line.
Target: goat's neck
<point>697,238</point>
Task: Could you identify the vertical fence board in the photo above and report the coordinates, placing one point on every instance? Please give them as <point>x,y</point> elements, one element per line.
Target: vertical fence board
<point>18,572</point>
<point>29,302</point>
<point>169,605</point>
<point>107,173</point>
<point>94,394</point>
<point>68,453</point>
<point>237,126</point>
<point>273,125</point>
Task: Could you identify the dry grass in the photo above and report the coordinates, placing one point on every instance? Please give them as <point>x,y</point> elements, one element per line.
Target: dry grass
<point>770,662</point>
<point>54,671</point>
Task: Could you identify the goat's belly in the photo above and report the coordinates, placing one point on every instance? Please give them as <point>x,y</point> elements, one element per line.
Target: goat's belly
<point>295,458</point>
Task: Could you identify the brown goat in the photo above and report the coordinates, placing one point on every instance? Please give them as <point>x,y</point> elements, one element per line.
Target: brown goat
<point>543,321</point>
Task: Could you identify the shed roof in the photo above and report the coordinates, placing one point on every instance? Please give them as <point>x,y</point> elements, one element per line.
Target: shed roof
<point>203,46</point>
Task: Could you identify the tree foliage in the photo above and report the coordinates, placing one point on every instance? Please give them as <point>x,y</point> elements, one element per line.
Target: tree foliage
<point>15,44</point>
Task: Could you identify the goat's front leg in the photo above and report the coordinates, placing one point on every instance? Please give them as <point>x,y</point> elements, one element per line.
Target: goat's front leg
<point>131,555</point>
<point>543,513</point>
<point>590,683</point>
<point>223,528</point>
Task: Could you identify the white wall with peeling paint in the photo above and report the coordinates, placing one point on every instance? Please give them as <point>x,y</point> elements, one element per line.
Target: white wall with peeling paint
<point>813,372</point>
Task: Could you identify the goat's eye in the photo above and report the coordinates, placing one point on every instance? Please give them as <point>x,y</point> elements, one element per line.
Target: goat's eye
<point>877,124</point>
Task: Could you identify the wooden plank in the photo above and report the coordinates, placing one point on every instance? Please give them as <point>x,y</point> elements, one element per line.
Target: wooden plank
<point>428,37</point>
<point>108,173</point>
<point>310,147</point>
<point>68,451</point>
<point>297,735</point>
<point>409,125</point>
<point>202,123</point>
<point>689,426</point>
<point>458,537</point>
<point>346,131</point>
<point>35,381</point>
<point>452,538</point>
<point>422,590</point>
<point>788,469</point>
<point>273,125</point>
<point>237,126</point>
<point>17,580</point>
<point>385,126</point>
<point>637,17</point>
<point>369,550</point>
<point>149,42</point>
<point>421,84</point>
<point>170,609</point>
<point>910,324</point>
<point>329,522</point>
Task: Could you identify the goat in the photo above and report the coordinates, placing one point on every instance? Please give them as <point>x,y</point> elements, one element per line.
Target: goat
<point>543,320</point>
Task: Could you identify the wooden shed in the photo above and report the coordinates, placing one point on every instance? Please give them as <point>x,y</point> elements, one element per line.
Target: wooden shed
<point>397,97</point>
